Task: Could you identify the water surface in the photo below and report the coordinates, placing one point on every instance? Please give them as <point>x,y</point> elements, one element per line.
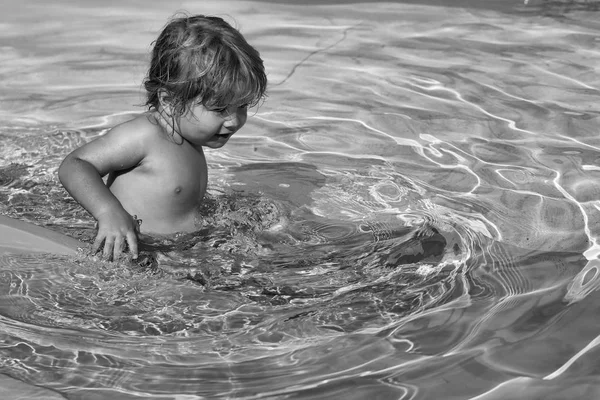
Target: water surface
<point>412,214</point>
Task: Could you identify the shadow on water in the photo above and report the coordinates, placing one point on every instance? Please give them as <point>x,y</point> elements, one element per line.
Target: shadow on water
<point>288,182</point>
<point>332,313</point>
<point>268,288</point>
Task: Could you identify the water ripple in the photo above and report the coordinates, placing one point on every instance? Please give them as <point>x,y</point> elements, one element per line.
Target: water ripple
<point>412,214</point>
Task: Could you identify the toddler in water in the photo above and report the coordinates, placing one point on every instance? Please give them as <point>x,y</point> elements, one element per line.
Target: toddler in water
<point>202,78</point>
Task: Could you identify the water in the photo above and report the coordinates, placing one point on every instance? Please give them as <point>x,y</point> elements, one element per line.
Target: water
<point>412,214</point>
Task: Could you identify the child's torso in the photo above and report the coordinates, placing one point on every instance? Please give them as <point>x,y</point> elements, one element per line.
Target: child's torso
<point>165,189</point>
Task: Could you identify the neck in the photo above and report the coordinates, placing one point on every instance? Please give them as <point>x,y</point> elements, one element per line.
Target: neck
<point>168,124</point>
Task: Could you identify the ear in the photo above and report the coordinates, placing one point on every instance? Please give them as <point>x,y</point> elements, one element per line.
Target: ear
<point>168,119</point>
<point>165,101</point>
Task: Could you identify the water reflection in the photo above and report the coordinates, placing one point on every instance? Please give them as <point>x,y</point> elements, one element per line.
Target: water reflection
<point>411,214</point>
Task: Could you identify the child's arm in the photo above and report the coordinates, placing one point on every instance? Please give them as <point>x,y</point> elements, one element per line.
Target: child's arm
<point>81,174</point>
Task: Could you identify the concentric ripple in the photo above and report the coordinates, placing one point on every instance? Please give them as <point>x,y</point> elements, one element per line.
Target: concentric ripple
<point>411,214</point>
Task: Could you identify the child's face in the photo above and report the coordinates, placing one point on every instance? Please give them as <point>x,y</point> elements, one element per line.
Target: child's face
<point>212,128</point>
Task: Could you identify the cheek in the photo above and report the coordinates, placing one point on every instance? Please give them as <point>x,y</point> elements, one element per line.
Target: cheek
<point>242,117</point>
<point>211,122</point>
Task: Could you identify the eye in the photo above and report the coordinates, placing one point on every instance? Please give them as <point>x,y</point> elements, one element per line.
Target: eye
<point>219,110</point>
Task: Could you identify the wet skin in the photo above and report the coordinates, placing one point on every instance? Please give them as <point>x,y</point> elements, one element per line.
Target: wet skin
<point>156,171</point>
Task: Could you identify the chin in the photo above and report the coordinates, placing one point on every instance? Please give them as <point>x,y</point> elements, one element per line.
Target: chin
<point>215,145</point>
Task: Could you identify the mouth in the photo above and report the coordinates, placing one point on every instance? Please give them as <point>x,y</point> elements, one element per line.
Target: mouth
<point>226,135</point>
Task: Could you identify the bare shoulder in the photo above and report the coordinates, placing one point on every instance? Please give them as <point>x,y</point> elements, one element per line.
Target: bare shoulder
<point>140,136</point>
<point>124,146</point>
<point>141,127</point>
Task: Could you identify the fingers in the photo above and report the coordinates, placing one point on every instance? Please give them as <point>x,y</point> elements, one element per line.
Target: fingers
<point>109,244</point>
<point>138,223</point>
<point>118,248</point>
<point>97,244</point>
<point>114,247</point>
<point>132,243</point>
<point>114,234</point>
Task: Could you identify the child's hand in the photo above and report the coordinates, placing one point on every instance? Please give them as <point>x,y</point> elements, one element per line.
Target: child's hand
<point>115,228</point>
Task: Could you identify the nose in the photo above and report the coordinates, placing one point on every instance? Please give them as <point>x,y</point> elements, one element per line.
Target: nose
<point>235,119</point>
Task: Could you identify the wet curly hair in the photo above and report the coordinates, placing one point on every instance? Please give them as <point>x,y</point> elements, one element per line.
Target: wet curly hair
<point>203,59</point>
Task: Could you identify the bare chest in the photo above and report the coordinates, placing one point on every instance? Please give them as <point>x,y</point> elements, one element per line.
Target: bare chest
<point>180,172</point>
<point>172,177</point>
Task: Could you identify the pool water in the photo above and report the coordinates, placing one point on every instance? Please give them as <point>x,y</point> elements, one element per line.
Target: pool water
<point>412,214</point>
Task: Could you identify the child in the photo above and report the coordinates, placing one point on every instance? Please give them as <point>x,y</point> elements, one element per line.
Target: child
<point>202,78</point>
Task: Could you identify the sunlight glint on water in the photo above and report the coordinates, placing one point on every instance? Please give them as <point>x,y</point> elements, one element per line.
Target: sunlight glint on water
<point>412,214</point>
